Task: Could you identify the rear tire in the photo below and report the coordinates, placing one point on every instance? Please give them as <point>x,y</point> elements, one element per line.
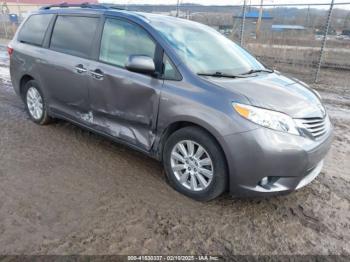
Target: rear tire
<point>195,164</point>
<point>35,103</point>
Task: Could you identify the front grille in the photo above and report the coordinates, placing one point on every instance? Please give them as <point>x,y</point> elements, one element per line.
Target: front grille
<point>315,126</point>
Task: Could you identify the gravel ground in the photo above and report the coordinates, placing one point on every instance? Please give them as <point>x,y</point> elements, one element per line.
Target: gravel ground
<point>64,190</point>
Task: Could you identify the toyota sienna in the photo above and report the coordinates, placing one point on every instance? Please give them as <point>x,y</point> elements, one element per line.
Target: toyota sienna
<point>179,91</point>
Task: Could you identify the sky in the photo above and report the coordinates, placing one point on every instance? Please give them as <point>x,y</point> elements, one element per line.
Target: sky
<point>221,2</point>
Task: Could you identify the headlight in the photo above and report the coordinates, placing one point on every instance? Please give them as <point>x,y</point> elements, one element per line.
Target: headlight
<point>267,118</point>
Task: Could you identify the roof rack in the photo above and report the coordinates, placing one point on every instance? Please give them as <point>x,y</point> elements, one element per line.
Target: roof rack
<point>83,5</point>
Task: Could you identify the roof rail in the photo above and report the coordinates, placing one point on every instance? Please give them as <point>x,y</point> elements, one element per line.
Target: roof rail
<point>83,5</point>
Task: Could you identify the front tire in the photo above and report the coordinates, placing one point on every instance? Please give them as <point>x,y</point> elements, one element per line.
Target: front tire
<point>195,164</point>
<point>35,103</point>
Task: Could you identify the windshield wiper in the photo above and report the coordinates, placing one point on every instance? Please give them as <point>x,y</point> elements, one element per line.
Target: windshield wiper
<point>253,71</point>
<point>220,74</point>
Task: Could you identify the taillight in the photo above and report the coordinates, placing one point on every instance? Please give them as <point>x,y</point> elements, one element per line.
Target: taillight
<point>9,50</point>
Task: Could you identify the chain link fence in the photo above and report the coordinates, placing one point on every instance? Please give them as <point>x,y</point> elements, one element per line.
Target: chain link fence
<point>302,38</point>
<point>11,15</point>
<point>305,40</point>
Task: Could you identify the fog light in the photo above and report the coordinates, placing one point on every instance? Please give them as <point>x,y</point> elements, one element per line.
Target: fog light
<point>264,181</point>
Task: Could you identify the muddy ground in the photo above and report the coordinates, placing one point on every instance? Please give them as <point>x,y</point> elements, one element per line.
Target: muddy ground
<point>64,190</point>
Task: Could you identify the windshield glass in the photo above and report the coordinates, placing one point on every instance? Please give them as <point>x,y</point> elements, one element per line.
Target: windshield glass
<point>203,49</point>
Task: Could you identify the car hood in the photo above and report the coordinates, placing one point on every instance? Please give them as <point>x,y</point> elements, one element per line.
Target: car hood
<point>277,92</point>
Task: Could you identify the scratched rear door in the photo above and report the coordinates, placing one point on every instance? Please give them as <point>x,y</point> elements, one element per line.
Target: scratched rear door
<point>124,104</point>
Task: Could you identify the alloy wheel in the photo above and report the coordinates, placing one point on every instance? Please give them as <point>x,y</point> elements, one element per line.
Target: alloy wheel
<point>192,165</point>
<point>35,103</point>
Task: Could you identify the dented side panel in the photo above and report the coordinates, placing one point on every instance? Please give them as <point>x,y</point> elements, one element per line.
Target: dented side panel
<point>124,104</point>
<point>67,89</point>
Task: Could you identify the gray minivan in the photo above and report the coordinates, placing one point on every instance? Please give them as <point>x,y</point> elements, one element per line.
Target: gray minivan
<point>177,90</point>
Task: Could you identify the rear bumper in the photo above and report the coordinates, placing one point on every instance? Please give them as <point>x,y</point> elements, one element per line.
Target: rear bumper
<point>287,162</point>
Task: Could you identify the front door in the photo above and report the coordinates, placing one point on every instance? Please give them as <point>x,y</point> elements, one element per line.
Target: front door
<point>124,104</point>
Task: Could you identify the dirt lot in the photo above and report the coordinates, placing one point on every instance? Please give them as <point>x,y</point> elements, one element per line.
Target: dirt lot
<point>64,190</point>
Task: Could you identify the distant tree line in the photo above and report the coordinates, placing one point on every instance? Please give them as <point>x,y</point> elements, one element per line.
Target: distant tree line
<point>309,17</point>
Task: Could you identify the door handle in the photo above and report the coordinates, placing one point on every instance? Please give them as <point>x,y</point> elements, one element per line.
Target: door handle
<point>97,74</point>
<point>80,69</point>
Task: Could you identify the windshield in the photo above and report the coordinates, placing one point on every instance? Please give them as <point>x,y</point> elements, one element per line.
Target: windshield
<point>204,50</point>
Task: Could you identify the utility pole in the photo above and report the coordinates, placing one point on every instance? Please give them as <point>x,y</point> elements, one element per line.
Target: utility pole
<point>347,22</point>
<point>243,23</point>
<point>19,9</point>
<point>324,40</point>
<point>177,8</point>
<point>258,23</point>
<point>308,17</point>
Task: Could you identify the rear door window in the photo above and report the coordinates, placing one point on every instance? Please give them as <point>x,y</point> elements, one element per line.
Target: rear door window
<point>74,35</point>
<point>120,39</point>
<point>33,30</point>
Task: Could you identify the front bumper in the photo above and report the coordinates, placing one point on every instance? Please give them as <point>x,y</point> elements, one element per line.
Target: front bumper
<point>289,162</point>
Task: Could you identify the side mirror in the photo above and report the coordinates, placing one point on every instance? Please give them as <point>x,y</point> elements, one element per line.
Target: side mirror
<point>140,64</point>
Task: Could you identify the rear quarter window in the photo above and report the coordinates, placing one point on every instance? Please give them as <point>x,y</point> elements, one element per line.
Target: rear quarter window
<point>74,35</point>
<point>33,30</point>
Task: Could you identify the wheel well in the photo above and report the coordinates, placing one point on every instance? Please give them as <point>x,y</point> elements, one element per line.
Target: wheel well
<point>23,82</point>
<point>173,128</point>
<point>181,124</point>
<point>178,125</point>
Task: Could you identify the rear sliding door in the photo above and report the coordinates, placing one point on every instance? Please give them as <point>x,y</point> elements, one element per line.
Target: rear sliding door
<point>66,73</point>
